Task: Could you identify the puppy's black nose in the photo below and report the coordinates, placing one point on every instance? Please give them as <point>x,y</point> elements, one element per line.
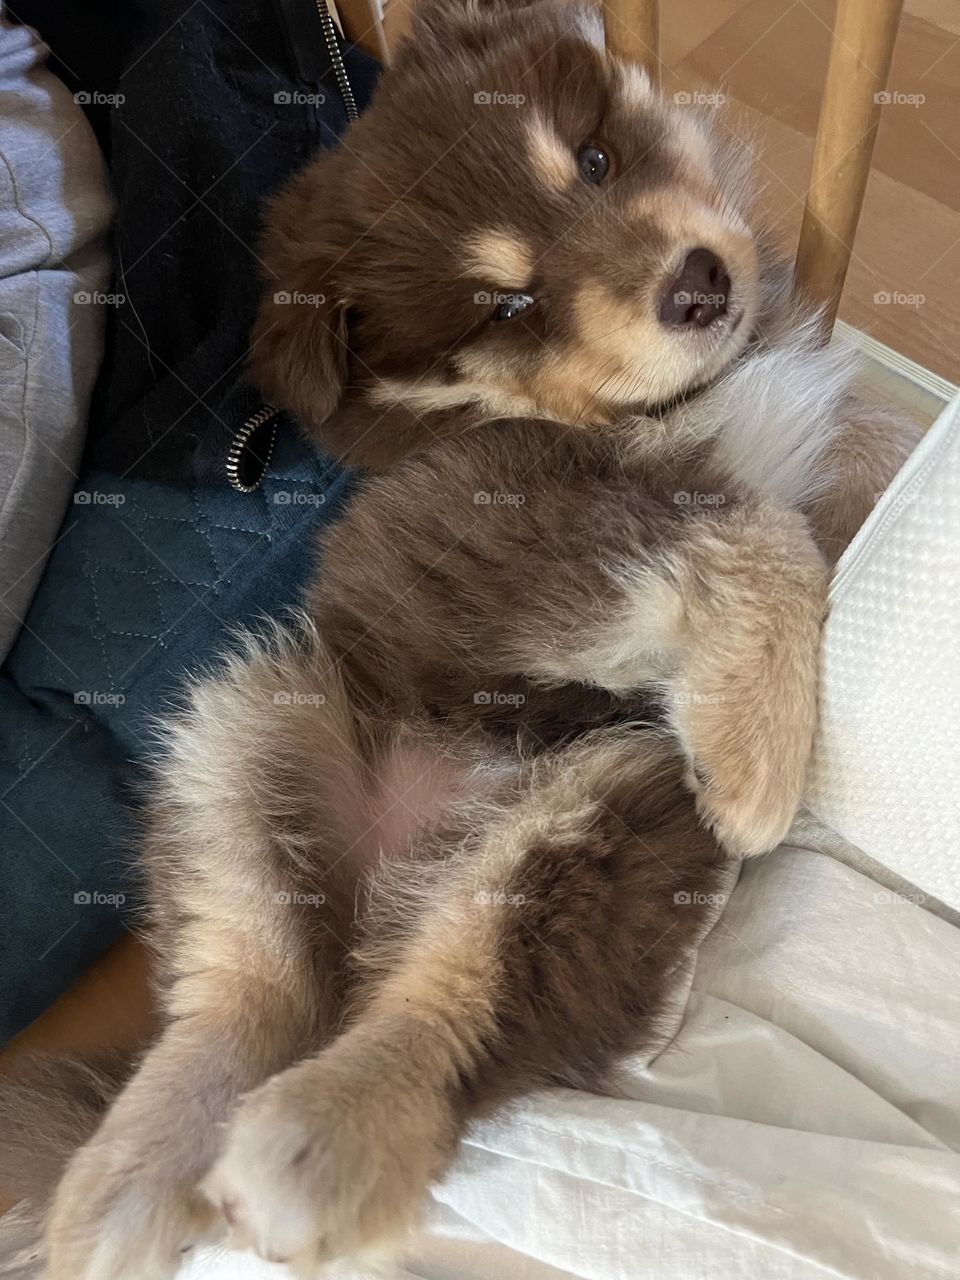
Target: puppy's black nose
<point>699,293</point>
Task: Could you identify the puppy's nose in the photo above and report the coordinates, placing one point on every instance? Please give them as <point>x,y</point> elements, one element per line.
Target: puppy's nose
<point>699,293</point>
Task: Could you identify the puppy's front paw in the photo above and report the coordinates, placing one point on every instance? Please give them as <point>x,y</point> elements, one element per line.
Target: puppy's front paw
<point>328,1160</point>
<point>747,820</point>
<point>123,1211</point>
<point>748,748</point>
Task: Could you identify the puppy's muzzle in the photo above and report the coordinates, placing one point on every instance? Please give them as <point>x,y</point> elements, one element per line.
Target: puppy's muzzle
<point>698,294</point>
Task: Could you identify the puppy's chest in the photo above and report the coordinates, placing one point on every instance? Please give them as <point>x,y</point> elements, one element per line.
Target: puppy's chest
<point>771,423</point>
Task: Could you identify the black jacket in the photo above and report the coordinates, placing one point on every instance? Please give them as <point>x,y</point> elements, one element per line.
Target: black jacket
<point>201,136</point>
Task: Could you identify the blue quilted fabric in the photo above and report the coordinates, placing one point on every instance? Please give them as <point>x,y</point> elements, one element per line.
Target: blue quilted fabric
<point>113,630</point>
<point>158,560</point>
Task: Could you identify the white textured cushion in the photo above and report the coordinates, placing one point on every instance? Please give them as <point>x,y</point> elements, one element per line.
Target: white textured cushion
<point>886,768</point>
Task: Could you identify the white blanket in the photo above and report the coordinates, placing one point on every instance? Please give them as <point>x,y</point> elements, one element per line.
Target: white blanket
<point>805,1119</point>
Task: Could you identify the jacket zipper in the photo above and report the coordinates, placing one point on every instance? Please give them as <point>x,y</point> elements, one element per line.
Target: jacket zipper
<point>336,59</point>
<point>267,416</point>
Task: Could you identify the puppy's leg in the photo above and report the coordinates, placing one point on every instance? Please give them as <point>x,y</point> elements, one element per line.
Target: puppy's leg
<point>725,615</point>
<point>535,956</point>
<point>742,693</point>
<point>248,942</point>
<point>127,1208</point>
<point>873,443</point>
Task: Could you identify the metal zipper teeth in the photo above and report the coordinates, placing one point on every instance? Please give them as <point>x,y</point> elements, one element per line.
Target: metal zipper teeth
<point>336,59</point>
<point>239,443</point>
<point>264,414</point>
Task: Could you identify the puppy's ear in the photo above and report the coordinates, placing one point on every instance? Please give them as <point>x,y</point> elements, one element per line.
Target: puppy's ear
<point>375,433</point>
<point>298,354</point>
<point>466,26</point>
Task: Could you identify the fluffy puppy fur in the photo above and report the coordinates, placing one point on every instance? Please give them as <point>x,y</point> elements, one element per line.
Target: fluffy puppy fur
<point>455,835</point>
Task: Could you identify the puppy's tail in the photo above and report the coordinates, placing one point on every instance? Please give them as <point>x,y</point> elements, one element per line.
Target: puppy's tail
<point>49,1107</point>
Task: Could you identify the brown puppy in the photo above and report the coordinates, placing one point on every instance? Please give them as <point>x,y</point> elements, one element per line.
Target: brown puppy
<point>455,839</point>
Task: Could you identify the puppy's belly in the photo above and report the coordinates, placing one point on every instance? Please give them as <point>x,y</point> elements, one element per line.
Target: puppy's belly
<point>413,792</point>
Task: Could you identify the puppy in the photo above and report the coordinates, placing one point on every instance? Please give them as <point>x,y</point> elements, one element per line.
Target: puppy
<point>454,837</point>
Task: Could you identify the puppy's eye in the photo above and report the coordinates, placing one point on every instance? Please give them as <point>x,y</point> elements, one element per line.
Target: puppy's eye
<point>593,163</point>
<point>512,306</point>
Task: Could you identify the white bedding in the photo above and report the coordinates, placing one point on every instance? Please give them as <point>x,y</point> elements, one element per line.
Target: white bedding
<point>805,1119</point>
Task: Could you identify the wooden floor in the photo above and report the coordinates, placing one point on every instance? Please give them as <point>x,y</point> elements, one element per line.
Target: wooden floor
<point>769,58</point>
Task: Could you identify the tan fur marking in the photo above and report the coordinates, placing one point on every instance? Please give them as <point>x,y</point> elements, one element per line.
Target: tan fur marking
<point>430,397</point>
<point>636,356</point>
<point>499,257</point>
<point>551,157</point>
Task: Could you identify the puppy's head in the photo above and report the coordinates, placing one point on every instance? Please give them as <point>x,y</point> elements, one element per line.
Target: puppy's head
<point>518,226</point>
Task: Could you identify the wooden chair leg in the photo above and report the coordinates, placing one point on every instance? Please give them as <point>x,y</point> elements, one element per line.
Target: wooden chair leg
<point>863,39</point>
<point>632,29</point>
<point>363,26</point>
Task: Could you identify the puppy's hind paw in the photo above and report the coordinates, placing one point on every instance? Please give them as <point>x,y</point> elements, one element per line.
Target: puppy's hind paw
<point>320,1164</point>
<point>115,1218</point>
